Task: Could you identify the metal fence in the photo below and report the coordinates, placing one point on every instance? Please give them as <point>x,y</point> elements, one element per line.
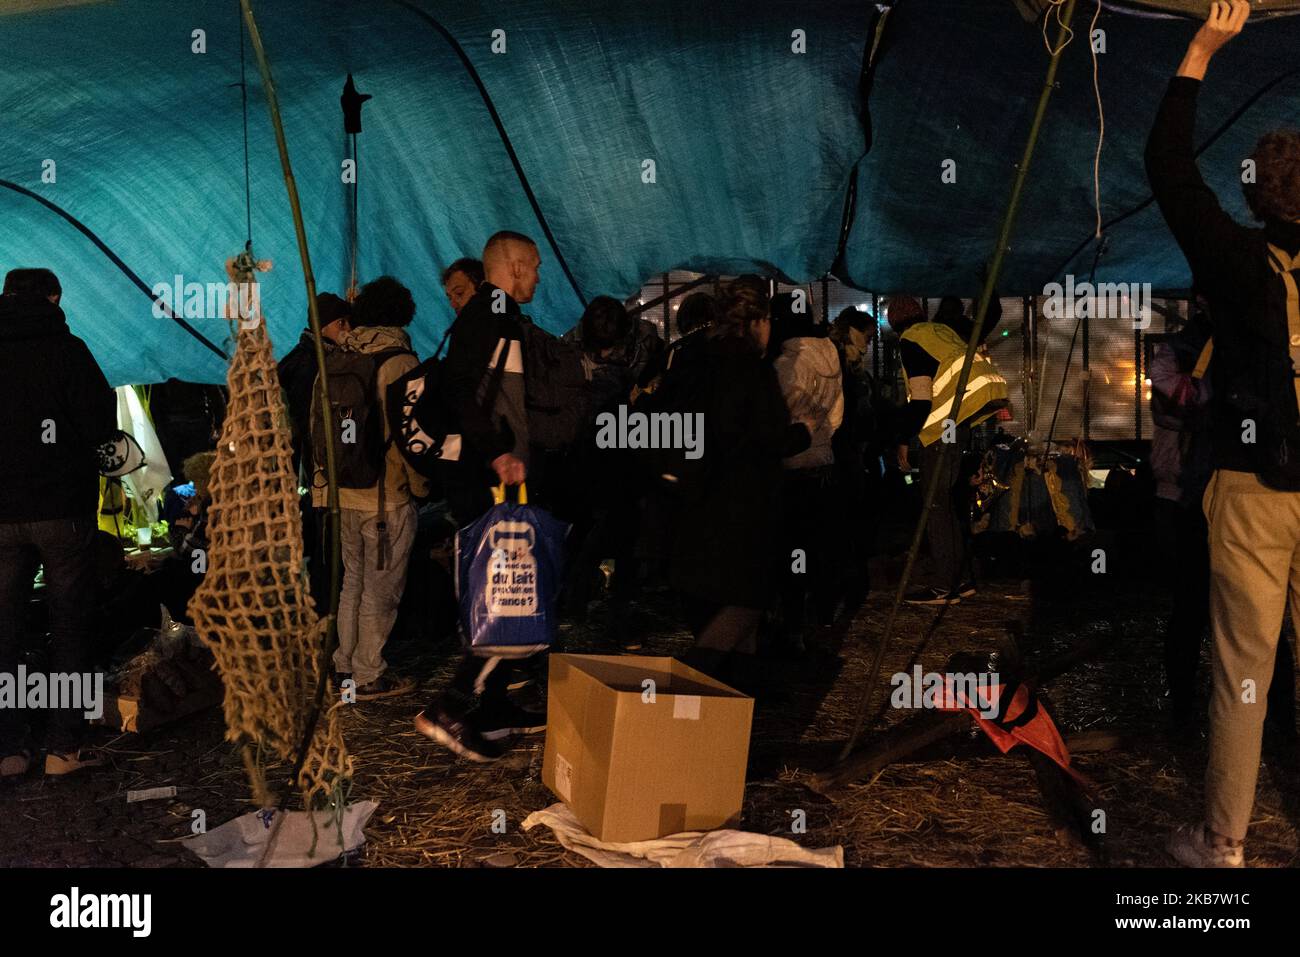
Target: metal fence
<point>1096,367</point>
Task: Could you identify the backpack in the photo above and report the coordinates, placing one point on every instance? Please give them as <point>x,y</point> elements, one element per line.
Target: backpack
<point>355,414</point>
<point>557,398</point>
<point>419,419</point>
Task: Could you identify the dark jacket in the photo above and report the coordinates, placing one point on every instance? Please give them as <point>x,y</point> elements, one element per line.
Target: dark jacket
<point>722,550</point>
<point>642,346</point>
<point>1180,438</point>
<point>1230,267</point>
<point>488,429</point>
<point>49,379</point>
<point>964,325</point>
<point>298,372</point>
<point>635,361</point>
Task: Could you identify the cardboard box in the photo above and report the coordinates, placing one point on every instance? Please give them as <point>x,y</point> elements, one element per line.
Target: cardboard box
<point>636,761</point>
<point>128,713</point>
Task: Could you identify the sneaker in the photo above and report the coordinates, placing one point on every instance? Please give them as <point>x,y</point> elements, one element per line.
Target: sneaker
<point>966,589</point>
<point>510,720</point>
<point>385,686</point>
<point>528,672</point>
<point>1188,846</point>
<point>457,735</point>
<point>15,765</point>
<point>67,762</point>
<point>931,596</point>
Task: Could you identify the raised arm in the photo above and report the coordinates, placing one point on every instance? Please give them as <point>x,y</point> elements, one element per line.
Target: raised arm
<point>1211,240</point>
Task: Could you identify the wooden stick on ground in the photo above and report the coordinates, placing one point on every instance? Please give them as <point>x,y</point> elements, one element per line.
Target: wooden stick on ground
<point>890,745</point>
<point>930,726</point>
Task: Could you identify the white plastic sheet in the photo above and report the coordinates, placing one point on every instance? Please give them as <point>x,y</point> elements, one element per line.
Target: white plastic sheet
<point>724,848</point>
<point>242,842</point>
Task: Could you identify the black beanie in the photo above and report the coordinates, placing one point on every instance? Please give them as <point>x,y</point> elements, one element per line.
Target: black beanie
<point>331,308</point>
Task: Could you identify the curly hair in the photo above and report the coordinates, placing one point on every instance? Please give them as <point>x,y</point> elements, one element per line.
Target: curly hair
<point>744,304</point>
<point>1275,194</point>
<point>198,469</point>
<point>383,302</point>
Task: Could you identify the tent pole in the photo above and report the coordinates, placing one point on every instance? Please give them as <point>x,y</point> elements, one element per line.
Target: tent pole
<point>313,317</point>
<point>844,770</point>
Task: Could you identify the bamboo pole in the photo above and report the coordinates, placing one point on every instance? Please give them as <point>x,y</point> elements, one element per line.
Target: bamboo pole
<point>986,295</point>
<point>313,318</point>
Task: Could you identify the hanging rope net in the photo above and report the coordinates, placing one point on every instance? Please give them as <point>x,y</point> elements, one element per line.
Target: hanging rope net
<point>253,608</point>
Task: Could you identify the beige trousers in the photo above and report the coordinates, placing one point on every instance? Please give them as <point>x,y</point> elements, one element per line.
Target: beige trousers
<point>1254,570</point>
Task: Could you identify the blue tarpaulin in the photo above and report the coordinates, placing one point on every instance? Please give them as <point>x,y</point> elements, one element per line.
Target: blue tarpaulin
<point>959,80</point>
<point>111,116</point>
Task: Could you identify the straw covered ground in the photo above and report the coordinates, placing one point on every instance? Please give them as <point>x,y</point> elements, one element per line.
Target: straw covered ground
<point>958,803</point>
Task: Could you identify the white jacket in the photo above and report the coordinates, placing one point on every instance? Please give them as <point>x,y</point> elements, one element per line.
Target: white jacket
<point>809,371</point>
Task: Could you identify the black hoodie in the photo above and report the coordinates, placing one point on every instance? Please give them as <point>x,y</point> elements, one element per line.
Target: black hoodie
<point>51,388</point>
<point>477,337</point>
<point>298,371</point>
<point>1229,264</point>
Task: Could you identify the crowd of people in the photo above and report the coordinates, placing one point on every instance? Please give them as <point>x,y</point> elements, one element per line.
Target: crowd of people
<point>767,534</point>
<point>794,431</point>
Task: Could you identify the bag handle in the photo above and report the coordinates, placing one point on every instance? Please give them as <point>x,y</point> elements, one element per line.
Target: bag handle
<point>445,336</point>
<point>1203,360</point>
<point>496,374</point>
<point>499,493</point>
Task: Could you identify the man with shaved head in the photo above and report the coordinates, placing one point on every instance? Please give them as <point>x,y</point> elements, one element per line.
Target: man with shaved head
<point>485,369</point>
<point>483,382</point>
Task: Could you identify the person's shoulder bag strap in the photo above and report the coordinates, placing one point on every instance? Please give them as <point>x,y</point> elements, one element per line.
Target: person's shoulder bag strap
<point>381,514</point>
<point>1285,265</point>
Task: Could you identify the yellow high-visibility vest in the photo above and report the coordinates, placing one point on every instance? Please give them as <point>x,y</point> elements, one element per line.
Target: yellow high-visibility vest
<point>986,392</point>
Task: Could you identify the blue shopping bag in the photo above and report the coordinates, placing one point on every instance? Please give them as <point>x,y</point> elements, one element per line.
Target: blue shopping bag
<point>509,571</point>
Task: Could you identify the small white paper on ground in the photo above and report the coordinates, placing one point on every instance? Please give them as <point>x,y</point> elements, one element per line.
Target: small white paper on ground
<point>723,848</point>
<point>241,842</point>
<point>151,794</point>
